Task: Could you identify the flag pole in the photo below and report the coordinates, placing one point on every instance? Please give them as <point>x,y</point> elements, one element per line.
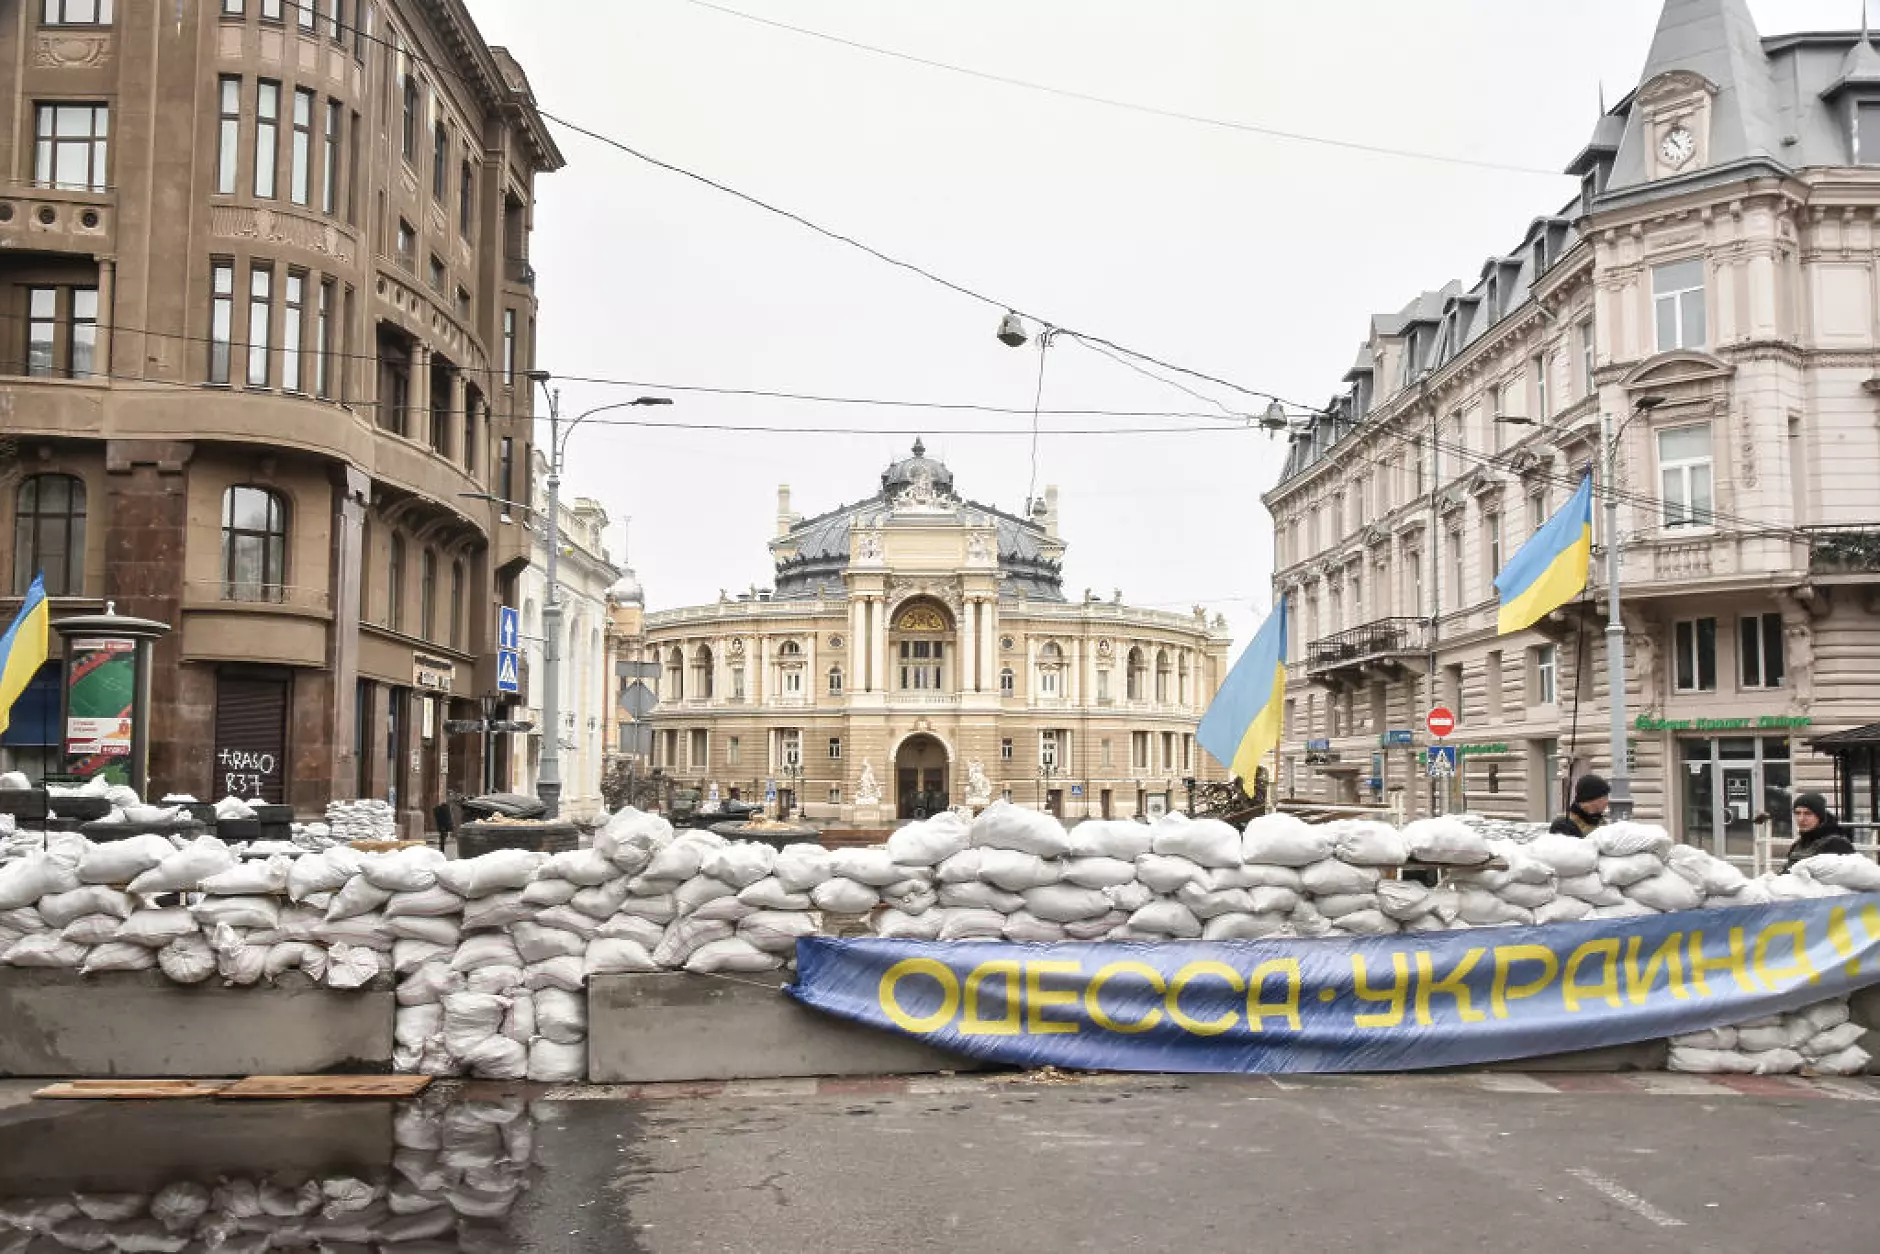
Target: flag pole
<point>1621,803</point>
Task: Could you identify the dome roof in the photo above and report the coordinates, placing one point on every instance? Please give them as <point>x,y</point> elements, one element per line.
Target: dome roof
<point>627,590</point>
<point>919,468</point>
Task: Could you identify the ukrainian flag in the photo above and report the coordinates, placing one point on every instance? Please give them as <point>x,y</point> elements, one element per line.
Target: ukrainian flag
<point>23,648</point>
<point>1550,569</point>
<point>1242,724</point>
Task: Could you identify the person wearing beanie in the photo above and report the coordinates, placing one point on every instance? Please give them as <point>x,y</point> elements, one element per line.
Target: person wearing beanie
<point>1817,831</point>
<point>1590,798</point>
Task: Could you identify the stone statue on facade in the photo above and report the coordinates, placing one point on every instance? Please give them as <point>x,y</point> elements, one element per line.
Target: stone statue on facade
<point>978,548</point>
<point>868,791</point>
<point>868,547</point>
<point>978,787</point>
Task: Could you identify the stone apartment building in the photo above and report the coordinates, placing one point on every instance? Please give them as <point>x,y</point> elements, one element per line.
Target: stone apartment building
<point>918,652</point>
<point>1714,295</point>
<point>266,314</point>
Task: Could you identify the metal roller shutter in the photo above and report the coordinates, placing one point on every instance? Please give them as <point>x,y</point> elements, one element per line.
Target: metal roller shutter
<point>251,738</point>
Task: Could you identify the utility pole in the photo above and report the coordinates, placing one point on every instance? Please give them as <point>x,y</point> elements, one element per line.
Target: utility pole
<point>548,775</point>
<point>1621,801</point>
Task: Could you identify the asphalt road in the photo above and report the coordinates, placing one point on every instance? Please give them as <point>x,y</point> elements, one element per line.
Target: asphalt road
<point>1410,1165</point>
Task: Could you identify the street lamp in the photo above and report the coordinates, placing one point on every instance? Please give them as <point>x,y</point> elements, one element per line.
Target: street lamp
<point>1047,771</point>
<point>792,773</point>
<point>1621,781</point>
<point>548,775</point>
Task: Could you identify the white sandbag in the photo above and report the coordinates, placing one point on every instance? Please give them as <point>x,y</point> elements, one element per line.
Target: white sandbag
<point>492,872</point>
<point>872,867</point>
<point>359,896</point>
<point>250,878</point>
<point>1065,903</point>
<point>1332,877</point>
<point>519,1020</point>
<point>911,896</point>
<point>698,890</point>
<point>1714,876</point>
<point>732,954</point>
<point>121,861</point>
<point>1015,870</point>
<point>896,925</point>
<point>187,960</point>
<point>603,900</point>
<point>1120,839</point>
<point>232,807</point>
<point>1622,840</point>
<point>1205,842</point>
<point>1709,1038</point>
<point>800,868</point>
<point>1129,897</point>
<point>499,909</point>
<point>1167,918</point>
<point>1026,928</point>
<point>118,956</point>
<point>677,862</point>
<point>1850,1061</point>
<point>61,909</point>
<point>740,863</point>
<point>1284,840</point>
<point>561,1016</point>
<point>1625,870</point>
<point>970,924</point>
<point>486,949</point>
<point>607,956</point>
<point>550,1063</point>
<point>1591,889</point>
<point>1166,873</point>
<point>1098,871</point>
<point>1565,855</point>
<point>660,908</point>
<point>295,956</point>
<point>538,944</point>
<point>323,872</point>
<point>92,929</point>
<point>1367,923</point>
<point>1003,825</point>
<point>1777,1062</point>
<point>1824,1015</point>
<point>686,935</point>
<point>1208,903</point>
<point>439,933</point>
<point>431,903</point>
<point>1484,909</point>
<point>1627,909</point>
<point>844,896</point>
<point>1243,927</point>
<point>430,983</point>
<point>777,931</point>
<point>1403,900</point>
<point>157,928</point>
<point>1832,1041</point>
<point>241,964</point>
<point>1852,871</point>
<point>642,932</point>
<point>727,909</point>
<point>1529,896</point>
<point>631,829</point>
<point>409,955</point>
<point>542,893</point>
<point>1709,1061</point>
<point>26,880</point>
<point>497,1058</point>
<point>362,929</point>
<point>1666,892</point>
<point>1562,910</point>
<point>501,980</point>
<point>1445,841</point>
<point>770,894</point>
<point>961,868</point>
<point>1258,875</point>
<point>1366,842</point>
<point>931,841</point>
<point>568,973</point>
<point>1799,887</point>
<point>568,919</point>
<point>584,868</point>
<point>1338,905</point>
<point>351,966</point>
<point>471,1018</point>
<point>977,896</point>
<point>257,912</point>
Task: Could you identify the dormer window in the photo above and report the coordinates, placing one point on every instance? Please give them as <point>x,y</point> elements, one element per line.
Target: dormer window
<point>1867,132</point>
<point>1494,297</point>
<point>1540,255</point>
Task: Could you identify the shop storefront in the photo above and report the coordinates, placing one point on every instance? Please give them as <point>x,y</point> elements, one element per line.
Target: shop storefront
<point>1732,775</point>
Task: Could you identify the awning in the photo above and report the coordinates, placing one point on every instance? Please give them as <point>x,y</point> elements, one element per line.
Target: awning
<point>1853,738</point>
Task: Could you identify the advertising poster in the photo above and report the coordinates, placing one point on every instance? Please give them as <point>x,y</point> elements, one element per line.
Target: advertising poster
<point>101,693</point>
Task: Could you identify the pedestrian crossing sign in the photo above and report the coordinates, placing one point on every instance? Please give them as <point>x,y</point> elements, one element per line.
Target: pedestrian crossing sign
<point>508,671</point>
<point>1442,759</point>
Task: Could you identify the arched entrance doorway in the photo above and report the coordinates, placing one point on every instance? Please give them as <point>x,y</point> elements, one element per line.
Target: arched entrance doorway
<point>920,778</point>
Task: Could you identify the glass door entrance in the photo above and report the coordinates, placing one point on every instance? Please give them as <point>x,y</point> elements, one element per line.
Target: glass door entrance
<point>1729,783</point>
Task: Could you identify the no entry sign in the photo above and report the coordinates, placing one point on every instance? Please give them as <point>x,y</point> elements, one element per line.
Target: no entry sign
<point>1441,722</point>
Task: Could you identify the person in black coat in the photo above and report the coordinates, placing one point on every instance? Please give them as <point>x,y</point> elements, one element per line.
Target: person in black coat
<point>1817,831</point>
<point>1590,798</point>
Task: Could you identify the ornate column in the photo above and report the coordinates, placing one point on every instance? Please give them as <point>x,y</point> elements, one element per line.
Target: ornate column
<point>414,422</point>
<point>969,654</point>
<point>880,652</point>
<point>858,634</point>
<point>457,435</point>
<point>107,317</point>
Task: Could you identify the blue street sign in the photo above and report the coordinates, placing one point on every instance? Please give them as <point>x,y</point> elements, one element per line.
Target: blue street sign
<point>1320,745</point>
<point>1077,790</point>
<point>1395,737</point>
<point>508,671</point>
<point>1443,759</point>
<point>508,630</point>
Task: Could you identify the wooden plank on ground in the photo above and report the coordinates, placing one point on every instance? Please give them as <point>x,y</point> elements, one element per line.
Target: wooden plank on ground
<point>130,1090</point>
<point>294,1087</point>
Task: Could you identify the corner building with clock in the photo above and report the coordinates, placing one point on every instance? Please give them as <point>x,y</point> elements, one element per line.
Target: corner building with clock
<point>1712,299</point>
<point>918,652</point>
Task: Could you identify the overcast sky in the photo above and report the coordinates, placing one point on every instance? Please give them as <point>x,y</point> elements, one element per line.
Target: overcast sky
<point>1254,259</point>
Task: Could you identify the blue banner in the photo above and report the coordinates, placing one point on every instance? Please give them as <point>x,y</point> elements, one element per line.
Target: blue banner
<point>1385,1003</point>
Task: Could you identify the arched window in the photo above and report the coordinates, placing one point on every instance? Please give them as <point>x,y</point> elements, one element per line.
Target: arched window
<point>49,534</point>
<point>1162,672</point>
<point>456,605</point>
<point>1007,682</point>
<point>790,648</point>
<point>918,638</point>
<point>395,585</point>
<point>1182,677</point>
<point>675,675</point>
<point>1133,676</point>
<point>702,680</point>
<point>835,681</point>
<point>254,544</point>
<point>427,594</point>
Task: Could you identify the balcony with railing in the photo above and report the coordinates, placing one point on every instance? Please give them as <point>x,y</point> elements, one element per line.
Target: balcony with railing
<point>1849,550</point>
<point>1383,649</point>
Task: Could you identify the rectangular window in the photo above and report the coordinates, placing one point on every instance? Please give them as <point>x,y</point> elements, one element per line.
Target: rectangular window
<point>699,749</point>
<point>232,8</point>
<point>1005,751</point>
<point>329,163</point>
<point>1685,475</point>
<point>228,134</point>
<point>1544,408</point>
<point>323,343</point>
<point>1491,680</point>
<point>1678,304</point>
<point>439,276</point>
<point>1491,534</point>
<point>1546,674</point>
<point>1537,510</point>
<point>362,30</point>
<point>1759,648</point>
<point>293,319</point>
<point>1458,576</point>
<point>260,319</point>
<point>413,106</point>
<point>221,320</point>
<point>466,199</point>
<point>407,243</point>
<point>1694,655</point>
<point>790,747</point>
<point>72,147</point>
<point>300,168</point>
<point>270,10</point>
<point>1048,749</point>
<point>1587,363</point>
<point>509,348</point>
<point>267,130</point>
<point>463,305</point>
<point>734,751</point>
<point>1139,750</point>
<point>835,748</point>
<point>77,13</point>
<point>1103,755</point>
<point>336,22</point>
<point>440,161</point>
<point>303,14</point>
<point>506,469</point>
<point>1103,687</point>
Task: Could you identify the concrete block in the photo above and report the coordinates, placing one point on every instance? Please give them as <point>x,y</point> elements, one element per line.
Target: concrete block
<point>652,1028</point>
<point>60,1023</point>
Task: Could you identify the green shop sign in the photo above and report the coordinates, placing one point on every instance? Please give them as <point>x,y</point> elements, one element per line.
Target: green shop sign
<point>1469,751</point>
<point>1762,722</point>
